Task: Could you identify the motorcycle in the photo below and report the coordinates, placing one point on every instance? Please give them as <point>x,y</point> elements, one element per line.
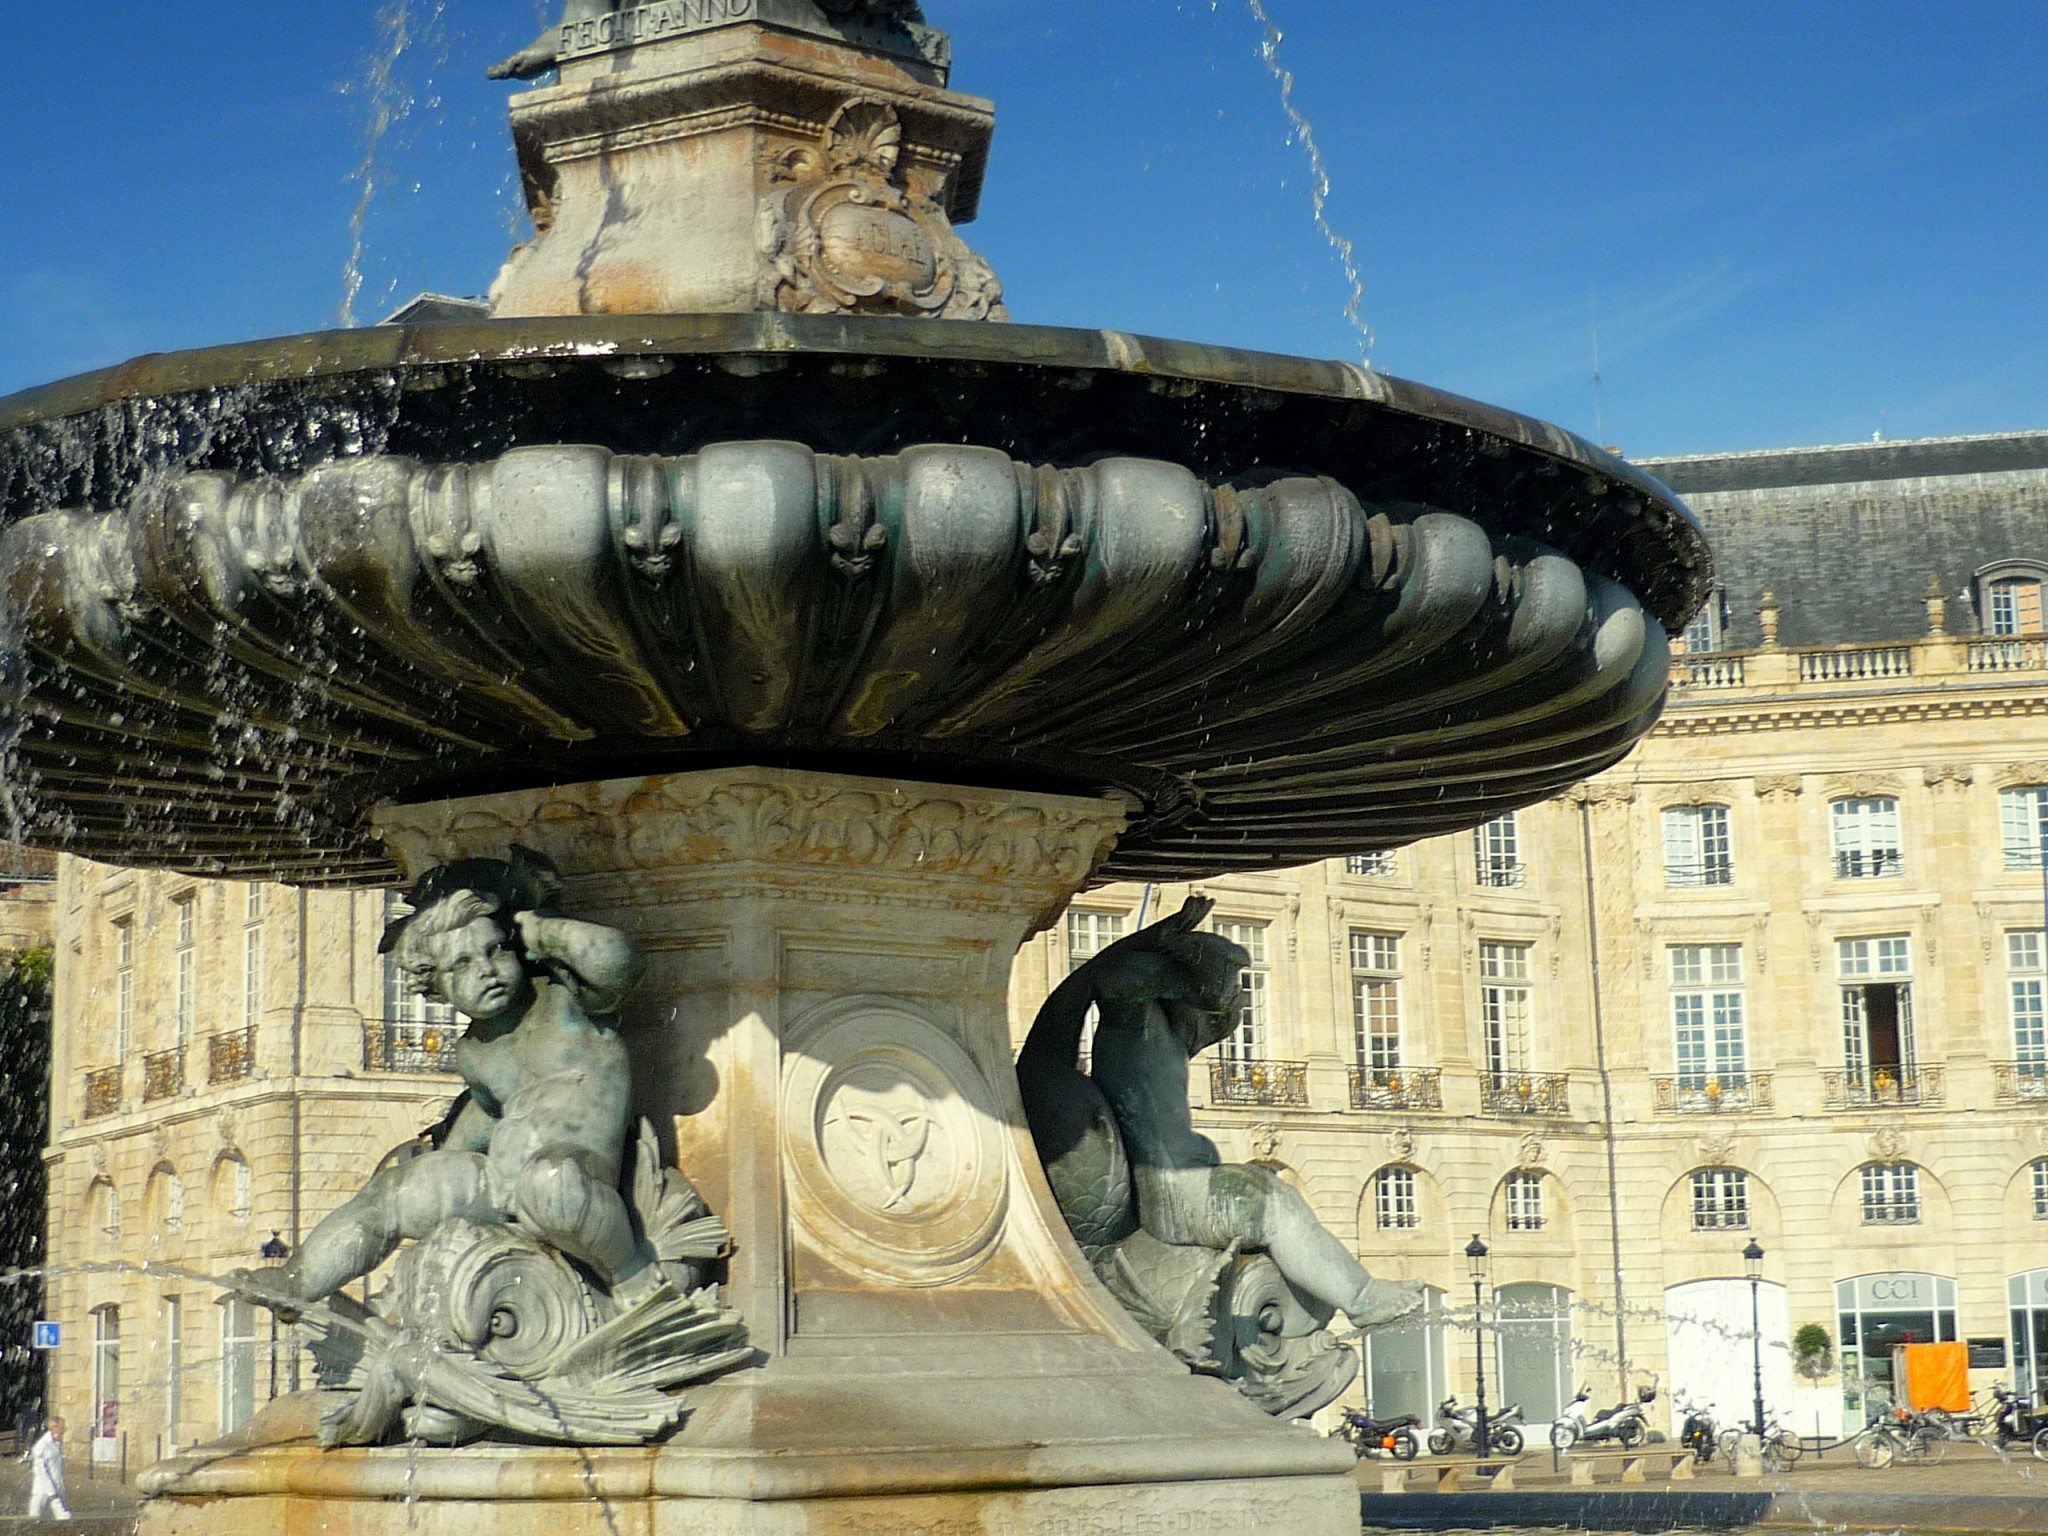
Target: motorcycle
<point>1459,1430</point>
<point>2013,1422</point>
<point>1626,1423</point>
<point>1699,1434</point>
<point>1369,1436</point>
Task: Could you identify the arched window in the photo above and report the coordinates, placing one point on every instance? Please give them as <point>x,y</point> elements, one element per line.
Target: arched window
<point>165,1204</point>
<point>1523,1193</point>
<point>1720,1200</point>
<point>2009,597</point>
<point>1393,1200</point>
<point>106,1380</point>
<point>103,1208</point>
<point>1533,1323</point>
<point>233,1188</point>
<point>1891,1194</point>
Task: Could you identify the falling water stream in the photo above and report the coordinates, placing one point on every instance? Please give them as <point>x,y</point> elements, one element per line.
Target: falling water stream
<point>401,26</point>
<point>1319,175</point>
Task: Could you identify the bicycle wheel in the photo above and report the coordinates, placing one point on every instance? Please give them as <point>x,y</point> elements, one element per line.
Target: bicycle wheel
<point>1404,1447</point>
<point>1507,1441</point>
<point>1917,1448</point>
<point>1877,1446</point>
<point>1786,1447</point>
<point>1729,1444</point>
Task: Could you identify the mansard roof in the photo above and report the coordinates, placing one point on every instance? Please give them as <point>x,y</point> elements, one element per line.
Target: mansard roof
<point>1848,536</point>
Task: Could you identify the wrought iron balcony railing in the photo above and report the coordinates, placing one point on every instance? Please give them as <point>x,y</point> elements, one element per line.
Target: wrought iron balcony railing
<point>231,1056</point>
<point>102,1092</point>
<point>400,1045</point>
<point>1498,872</point>
<point>1690,876</point>
<point>1525,1093</point>
<point>1722,1093</point>
<point>1864,1087</point>
<point>1283,1084</point>
<point>1397,1088</point>
<point>2020,1082</point>
<point>163,1074</point>
<point>1869,864</point>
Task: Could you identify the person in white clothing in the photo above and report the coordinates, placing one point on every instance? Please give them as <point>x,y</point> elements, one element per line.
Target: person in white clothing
<point>46,1476</point>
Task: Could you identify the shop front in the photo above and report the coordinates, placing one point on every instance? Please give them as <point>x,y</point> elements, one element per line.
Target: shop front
<point>1876,1314</point>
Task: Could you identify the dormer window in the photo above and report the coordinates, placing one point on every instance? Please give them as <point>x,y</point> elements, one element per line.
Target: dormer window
<point>2009,597</point>
<point>1706,632</point>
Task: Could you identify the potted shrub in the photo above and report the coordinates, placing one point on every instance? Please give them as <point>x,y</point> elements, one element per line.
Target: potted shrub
<point>1812,1351</point>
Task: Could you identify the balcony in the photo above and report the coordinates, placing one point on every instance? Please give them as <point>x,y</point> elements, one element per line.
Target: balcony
<point>1869,864</point>
<point>1878,1087</point>
<point>2020,1082</point>
<point>1726,1093</point>
<point>1685,877</point>
<point>163,1074</point>
<point>1856,664</point>
<point>399,1045</point>
<point>2008,655</point>
<point>1525,1093</point>
<point>230,1057</point>
<point>102,1092</point>
<point>1500,873</point>
<point>1278,1084</point>
<point>1711,672</point>
<point>1397,1088</point>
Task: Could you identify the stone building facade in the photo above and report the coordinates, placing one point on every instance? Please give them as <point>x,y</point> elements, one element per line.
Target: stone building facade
<point>231,1062</point>
<point>1777,977</point>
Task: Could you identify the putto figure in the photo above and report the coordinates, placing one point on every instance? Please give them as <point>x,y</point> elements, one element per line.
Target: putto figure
<point>1222,1262</point>
<point>539,1138</point>
<point>541,1292</point>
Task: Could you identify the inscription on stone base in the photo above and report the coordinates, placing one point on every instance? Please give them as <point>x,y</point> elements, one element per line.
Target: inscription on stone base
<point>649,23</point>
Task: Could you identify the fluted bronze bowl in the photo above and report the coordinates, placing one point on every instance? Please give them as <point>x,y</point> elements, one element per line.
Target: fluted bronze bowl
<point>1292,609</point>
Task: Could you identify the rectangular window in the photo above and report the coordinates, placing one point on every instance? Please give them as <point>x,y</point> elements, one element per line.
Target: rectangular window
<point>1866,838</point>
<point>1704,632</point>
<point>1720,1200</point>
<point>1877,1008</point>
<point>1376,1000</point>
<point>1497,851</point>
<point>237,1363</point>
<point>1891,1194</point>
<point>1696,846</point>
<point>2023,825</point>
<point>252,958</point>
<point>174,1371</point>
<point>1090,930</point>
<point>1708,1034</point>
<point>1504,1006</point>
<point>1525,1202</point>
<point>106,1381</point>
<point>1247,1043</point>
<point>2039,1171</point>
<point>1394,1200</point>
<point>124,986</point>
<point>2015,607</point>
<point>186,998</point>
<point>1372,866</point>
<point>402,1005</point>
<point>2024,982</point>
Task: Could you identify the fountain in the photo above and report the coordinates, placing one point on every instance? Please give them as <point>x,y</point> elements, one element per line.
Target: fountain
<point>753,636</point>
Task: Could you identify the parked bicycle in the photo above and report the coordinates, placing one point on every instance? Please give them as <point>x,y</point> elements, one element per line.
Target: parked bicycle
<point>1380,1437</point>
<point>1906,1439</point>
<point>1458,1430</point>
<point>1777,1447</point>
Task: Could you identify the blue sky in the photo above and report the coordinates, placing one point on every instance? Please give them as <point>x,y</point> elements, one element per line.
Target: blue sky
<point>1790,222</point>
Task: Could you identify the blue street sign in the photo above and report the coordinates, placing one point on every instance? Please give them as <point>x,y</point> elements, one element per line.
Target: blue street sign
<point>49,1335</point>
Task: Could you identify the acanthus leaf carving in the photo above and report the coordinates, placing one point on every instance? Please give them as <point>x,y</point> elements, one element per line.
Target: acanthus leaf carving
<point>1772,786</point>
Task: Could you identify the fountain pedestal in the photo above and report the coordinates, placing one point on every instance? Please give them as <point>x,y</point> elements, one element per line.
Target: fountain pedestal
<point>824,1029</point>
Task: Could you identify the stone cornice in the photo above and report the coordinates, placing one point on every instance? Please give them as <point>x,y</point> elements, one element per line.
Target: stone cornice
<point>1031,851</point>
<point>1783,714</point>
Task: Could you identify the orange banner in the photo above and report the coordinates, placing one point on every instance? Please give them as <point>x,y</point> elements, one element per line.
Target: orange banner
<point>1936,1376</point>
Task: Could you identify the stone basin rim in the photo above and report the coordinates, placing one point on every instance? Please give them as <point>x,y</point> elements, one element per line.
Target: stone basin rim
<point>336,354</point>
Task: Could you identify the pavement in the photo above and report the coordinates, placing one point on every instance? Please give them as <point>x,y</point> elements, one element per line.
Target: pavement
<point>100,1506</point>
<point>1972,1490</point>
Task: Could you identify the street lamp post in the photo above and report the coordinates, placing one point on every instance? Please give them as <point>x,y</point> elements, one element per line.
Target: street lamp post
<point>274,1251</point>
<point>1475,1262</point>
<point>1753,1260</point>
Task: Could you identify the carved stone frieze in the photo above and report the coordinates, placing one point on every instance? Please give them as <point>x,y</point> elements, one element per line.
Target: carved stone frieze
<point>851,230</point>
<point>1773,786</point>
<point>1950,776</point>
<point>1862,786</point>
<point>1716,1149</point>
<point>2013,775</point>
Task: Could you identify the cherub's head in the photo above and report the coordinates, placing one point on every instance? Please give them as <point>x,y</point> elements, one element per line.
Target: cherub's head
<point>1215,967</point>
<point>456,936</point>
